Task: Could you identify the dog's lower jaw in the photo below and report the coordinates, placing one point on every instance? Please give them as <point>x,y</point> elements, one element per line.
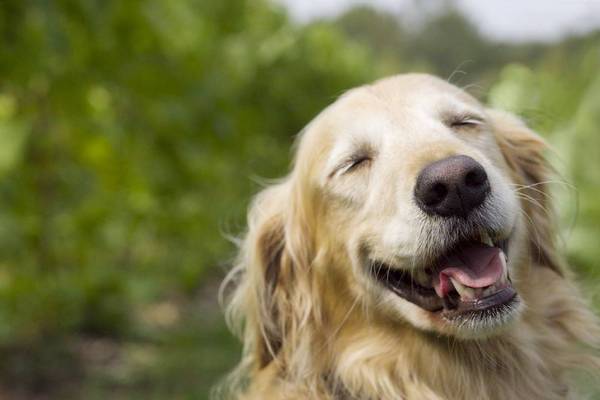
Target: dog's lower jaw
<point>484,325</point>
<point>402,313</point>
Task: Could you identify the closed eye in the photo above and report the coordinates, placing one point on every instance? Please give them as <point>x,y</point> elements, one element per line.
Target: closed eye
<point>465,121</point>
<point>356,162</point>
<point>352,164</point>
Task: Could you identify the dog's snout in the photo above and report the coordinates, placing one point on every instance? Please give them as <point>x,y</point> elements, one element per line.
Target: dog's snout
<point>453,186</point>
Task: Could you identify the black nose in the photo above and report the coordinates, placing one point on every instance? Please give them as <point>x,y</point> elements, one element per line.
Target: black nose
<point>453,186</point>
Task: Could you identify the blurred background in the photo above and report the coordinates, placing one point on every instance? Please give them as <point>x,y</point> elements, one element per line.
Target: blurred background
<point>134,133</point>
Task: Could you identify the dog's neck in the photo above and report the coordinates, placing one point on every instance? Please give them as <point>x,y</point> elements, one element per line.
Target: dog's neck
<point>446,368</point>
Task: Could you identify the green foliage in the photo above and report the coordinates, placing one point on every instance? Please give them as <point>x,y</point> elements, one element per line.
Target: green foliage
<point>130,130</point>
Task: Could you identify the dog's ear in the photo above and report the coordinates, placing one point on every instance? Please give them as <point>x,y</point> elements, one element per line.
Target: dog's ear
<point>524,153</point>
<point>271,262</point>
<point>275,260</point>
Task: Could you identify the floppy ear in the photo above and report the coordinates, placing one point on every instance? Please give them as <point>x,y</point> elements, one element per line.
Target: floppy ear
<point>523,151</point>
<point>267,236</point>
<point>273,293</point>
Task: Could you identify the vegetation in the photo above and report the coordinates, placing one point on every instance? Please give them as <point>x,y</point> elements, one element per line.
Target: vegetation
<point>132,135</point>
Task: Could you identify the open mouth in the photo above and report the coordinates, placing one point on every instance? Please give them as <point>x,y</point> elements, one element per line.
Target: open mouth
<point>471,278</point>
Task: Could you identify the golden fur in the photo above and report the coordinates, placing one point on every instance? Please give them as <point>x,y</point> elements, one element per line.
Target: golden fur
<point>314,326</point>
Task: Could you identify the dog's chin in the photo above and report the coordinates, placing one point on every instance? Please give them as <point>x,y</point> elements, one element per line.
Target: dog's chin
<point>465,292</point>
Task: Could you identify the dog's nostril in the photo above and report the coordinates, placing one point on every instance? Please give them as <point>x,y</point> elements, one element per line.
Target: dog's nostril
<point>452,187</point>
<point>431,193</point>
<point>437,194</point>
<point>475,177</point>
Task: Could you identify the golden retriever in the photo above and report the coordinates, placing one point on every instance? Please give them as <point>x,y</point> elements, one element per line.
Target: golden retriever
<point>409,254</point>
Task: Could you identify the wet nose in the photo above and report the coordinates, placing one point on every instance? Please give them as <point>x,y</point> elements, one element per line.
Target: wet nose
<point>453,186</point>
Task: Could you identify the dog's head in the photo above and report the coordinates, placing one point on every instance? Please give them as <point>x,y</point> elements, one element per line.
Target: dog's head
<point>409,197</point>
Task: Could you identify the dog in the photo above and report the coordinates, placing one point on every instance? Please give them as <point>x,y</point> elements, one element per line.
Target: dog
<point>409,254</point>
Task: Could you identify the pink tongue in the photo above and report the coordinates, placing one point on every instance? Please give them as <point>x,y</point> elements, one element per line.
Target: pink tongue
<point>474,265</point>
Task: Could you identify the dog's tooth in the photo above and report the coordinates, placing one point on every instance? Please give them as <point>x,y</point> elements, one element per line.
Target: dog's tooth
<point>457,285</point>
<point>425,278</point>
<point>420,276</point>
<point>468,293</point>
<point>486,239</point>
<point>465,292</point>
<point>504,277</point>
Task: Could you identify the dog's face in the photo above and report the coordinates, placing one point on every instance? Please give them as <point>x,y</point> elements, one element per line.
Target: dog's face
<point>417,203</point>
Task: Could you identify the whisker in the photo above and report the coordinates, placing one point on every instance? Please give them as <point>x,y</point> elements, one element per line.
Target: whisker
<point>525,188</point>
<point>473,85</point>
<point>561,182</point>
<point>535,231</point>
<point>533,201</point>
<point>458,70</point>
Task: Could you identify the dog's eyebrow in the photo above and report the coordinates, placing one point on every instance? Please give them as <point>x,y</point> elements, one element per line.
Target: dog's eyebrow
<point>455,114</point>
